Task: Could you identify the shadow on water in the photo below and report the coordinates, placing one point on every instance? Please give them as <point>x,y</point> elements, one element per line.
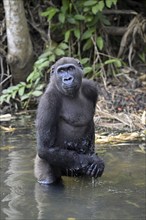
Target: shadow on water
<point>119,194</point>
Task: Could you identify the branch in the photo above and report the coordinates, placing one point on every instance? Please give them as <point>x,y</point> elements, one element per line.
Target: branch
<point>121,12</point>
<point>113,30</point>
<point>39,30</point>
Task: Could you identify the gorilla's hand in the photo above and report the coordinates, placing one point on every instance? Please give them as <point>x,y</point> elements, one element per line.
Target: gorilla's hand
<point>96,168</point>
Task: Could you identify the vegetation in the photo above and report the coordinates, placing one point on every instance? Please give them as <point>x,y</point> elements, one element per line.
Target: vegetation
<point>84,32</point>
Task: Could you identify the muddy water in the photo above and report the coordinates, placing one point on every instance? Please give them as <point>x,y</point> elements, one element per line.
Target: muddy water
<point>118,195</point>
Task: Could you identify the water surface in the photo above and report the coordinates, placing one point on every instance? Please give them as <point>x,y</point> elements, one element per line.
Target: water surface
<point>119,194</point>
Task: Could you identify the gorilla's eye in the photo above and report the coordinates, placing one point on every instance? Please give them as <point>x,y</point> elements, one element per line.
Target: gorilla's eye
<point>61,70</point>
<point>70,68</point>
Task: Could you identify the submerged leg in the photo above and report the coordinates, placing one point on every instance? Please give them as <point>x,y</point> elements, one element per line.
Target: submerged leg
<point>44,173</point>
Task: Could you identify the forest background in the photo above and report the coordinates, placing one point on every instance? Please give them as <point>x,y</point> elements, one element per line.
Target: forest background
<point>107,36</point>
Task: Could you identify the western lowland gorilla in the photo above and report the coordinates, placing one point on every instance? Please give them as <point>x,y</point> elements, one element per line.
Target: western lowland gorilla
<point>65,126</point>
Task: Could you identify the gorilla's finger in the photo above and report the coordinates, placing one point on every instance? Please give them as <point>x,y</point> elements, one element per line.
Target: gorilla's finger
<point>94,170</point>
<point>97,173</point>
<point>90,169</point>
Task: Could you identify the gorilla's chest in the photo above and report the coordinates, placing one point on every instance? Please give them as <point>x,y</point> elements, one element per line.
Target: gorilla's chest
<point>77,112</point>
<point>75,123</point>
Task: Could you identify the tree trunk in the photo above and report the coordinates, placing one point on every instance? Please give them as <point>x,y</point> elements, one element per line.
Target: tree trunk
<point>20,51</point>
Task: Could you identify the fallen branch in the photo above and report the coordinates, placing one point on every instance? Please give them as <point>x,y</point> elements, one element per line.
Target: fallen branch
<point>121,12</point>
<point>125,137</point>
<point>135,30</point>
<point>113,30</point>
<point>133,121</point>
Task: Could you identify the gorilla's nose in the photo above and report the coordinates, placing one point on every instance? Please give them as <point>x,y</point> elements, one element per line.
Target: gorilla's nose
<point>68,80</point>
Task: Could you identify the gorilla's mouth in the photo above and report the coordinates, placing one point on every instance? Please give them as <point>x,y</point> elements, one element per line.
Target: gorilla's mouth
<point>69,86</point>
<point>70,90</point>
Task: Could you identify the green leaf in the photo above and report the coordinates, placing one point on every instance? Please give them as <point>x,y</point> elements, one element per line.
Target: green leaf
<point>2,98</point>
<point>44,64</point>
<point>71,20</point>
<point>117,62</point>
<point>108,3</point>
<point>45,13</point>
<point>37,93</point>
<point>45,54</point>
<point>87,34</point>
<point>61,17</point>
<point>87,45</point>
<point>40,87</point>
<point>28,86</point>
<point>22,83</point>
<point>67,35</point>
<point>40,60</point>
<point>36,82</point>
<point>10,89</point>
<point>13,88</point>
<point>50,13</point>
<point>65,5</point>
<point>90,3</point>
<point>59,52</point>
<point>86,9</point>
<point>52,58</point>
<point>77,33</point>
<point>5,91</point>
<point>30,76</point>
<point>21,91</point>
<point>101,5</point>
<point>105,20</point>
<point>114,2</point>
<point>95,9</point>
<point>79,17</point>
<point>89,18</point>
<point>142,56</point>
<point>100,42</point>
<point>109,61</point>
<point>84,60</point>
<point>8,99</point>
<point>63,46</point>
<point>33,76</point>
<point>25,96</point>
<point>14,94</point>
<point>87,69</point>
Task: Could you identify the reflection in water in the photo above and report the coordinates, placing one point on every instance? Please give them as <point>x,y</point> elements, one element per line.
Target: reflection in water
<point>75,200</point>
<point>46,196</point>
<point>16,187</point>
<point>19,178</point>
<point>119,194</point>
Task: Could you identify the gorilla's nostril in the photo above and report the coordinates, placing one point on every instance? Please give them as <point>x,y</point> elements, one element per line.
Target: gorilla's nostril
<point>68,79</point>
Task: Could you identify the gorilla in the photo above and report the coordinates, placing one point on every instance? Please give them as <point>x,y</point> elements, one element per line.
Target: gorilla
<point>65,126</point>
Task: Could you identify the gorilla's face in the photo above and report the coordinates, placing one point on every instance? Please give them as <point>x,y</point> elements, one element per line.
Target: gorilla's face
<point>67,74</point>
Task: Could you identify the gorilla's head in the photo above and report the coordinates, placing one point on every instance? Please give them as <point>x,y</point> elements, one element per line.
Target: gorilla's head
<point>67,75</point>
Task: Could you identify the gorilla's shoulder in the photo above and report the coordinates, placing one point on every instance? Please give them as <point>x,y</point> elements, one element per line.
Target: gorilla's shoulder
<point>89,89</point>
<point>52,90</point>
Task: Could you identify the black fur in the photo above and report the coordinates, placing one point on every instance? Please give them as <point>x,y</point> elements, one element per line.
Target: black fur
<point>65,127</point>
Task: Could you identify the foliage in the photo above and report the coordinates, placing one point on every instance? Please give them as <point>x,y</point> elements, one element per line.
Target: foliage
<point>24,91</point>
<point>79,23</point>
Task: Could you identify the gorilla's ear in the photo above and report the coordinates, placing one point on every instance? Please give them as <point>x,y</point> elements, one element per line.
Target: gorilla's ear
<point>52,70</point>
<point>79,64</point>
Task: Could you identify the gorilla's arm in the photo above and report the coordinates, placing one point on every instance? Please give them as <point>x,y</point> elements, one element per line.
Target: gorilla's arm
<point>89,89</point>
<point>47,118</point>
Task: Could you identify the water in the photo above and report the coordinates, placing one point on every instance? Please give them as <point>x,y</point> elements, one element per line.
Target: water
<point>120,193</point>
